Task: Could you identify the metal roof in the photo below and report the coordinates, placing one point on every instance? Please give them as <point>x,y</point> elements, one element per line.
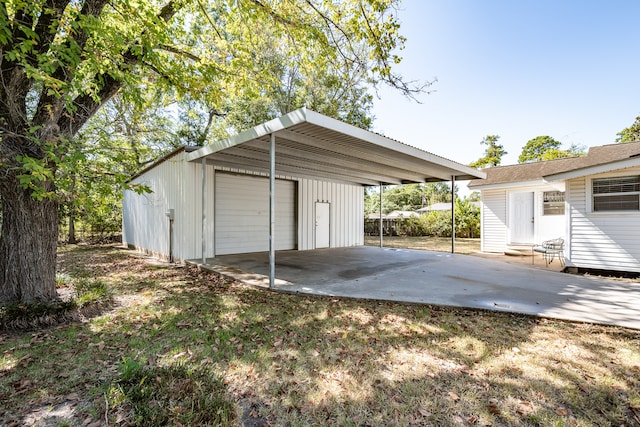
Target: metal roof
<point>309,144</point>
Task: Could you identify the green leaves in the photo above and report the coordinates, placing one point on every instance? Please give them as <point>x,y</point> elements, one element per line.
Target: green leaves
<point>543,148</point>
<point>492,154</point>
<point>630,134</point>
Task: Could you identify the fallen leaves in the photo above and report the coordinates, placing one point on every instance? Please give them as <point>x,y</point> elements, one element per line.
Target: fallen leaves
<point>524,408</point>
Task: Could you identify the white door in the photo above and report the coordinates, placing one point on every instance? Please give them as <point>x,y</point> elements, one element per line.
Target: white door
<point>521,218</point>
<point>322,225</point>
<point>242,214</point>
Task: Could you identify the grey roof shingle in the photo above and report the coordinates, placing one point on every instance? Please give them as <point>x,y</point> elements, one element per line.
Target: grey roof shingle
<point>527,172</point>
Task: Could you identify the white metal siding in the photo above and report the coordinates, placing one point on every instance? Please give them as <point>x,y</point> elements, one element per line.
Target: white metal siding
<point>242,214</point>
<point>493,235</point>
<point>347,212</point>
<point>175,184</point>
<point>189,213</point>
<point>609,241</point>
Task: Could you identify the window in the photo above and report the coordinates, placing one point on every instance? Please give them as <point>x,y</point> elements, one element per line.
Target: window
<point>616,194</point>
<point>553,203</point>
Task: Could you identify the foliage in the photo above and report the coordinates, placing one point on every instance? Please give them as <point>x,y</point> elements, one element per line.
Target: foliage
<point>630,134</point>
<point>172,395</point>
<point>408,197</point>
<point>492,154</point>
<point>438,223</point>
<point>62,61</point>
<point>545,147</point>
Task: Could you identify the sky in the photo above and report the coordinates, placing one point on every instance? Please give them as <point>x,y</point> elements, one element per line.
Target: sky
<point>519,69</point>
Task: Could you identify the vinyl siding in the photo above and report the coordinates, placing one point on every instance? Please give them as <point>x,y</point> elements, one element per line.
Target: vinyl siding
<point>602,240</point>
<point>494,221</point>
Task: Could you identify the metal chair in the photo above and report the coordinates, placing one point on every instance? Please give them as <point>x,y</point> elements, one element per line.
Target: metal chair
<point>551,249</point>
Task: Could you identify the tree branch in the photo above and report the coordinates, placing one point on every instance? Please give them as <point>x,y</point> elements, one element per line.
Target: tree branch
<point>87,104</point>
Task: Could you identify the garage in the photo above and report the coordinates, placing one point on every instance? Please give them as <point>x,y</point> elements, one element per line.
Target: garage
<point>217,200</point>
<point>242,214</point>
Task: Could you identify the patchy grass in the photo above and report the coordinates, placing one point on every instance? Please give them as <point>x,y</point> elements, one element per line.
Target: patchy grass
<point>171,395</point>
<point>441,244</point>
<point>81,297</point>
<point>295,360</point>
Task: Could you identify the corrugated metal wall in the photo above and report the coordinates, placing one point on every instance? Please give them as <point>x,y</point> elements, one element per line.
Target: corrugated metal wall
<point>602,240</point>
<point>346,212</point>
<point>177,184</point>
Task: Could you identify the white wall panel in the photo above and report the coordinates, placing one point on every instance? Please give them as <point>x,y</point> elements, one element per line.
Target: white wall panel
<point>494,221</point>
<point>602,240</point>
<point>346,212</point>
<point>175,184</point>
<point>145,224</point>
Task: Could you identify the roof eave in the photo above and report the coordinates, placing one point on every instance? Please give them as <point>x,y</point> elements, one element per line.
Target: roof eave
<point>596,169</point>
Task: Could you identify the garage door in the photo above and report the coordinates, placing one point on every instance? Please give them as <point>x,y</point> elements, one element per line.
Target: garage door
<point>242,214</point>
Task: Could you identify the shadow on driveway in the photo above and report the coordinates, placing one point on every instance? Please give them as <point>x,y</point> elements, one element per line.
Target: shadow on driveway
<point>440,278</point>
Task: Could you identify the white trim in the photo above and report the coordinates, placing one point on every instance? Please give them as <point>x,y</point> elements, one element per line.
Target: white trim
<point>304,115</point>
<point>593,170</point>
<point>589,195</point>
<point>509,185</point>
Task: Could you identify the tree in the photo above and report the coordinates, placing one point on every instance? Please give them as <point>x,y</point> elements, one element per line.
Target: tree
<point>630,134</point>
<point>408,197</point>
<point>118,140</point>
<point>543,148</point>
<point>492,154</point>
<point>63,60</point>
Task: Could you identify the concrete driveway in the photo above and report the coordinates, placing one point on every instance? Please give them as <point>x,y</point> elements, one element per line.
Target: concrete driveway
<point>440,278</point>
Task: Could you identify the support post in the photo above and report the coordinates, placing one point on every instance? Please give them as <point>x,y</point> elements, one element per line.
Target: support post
<point>453,214</point>
<point>272,210</point>
<point>204,211</point>
<point>380,214</point>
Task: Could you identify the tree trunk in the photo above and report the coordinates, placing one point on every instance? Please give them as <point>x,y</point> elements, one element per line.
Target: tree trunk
<point>72,228</point>
<point>72,213</point>
<point>27,244</point>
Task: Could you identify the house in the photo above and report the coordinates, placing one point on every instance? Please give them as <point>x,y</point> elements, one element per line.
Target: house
<point>592,202</point>
<point>293,183</point>
<point>442,206</point>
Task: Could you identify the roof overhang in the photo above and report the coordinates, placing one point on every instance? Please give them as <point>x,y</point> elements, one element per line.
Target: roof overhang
<point>508,185</point>
<point>309,144</point>
<point>592,170</point>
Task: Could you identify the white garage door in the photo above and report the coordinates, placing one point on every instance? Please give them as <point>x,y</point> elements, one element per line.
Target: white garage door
<point>242,214</point>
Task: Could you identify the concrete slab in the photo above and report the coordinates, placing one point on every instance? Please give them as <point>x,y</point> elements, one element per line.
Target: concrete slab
<point>443,279</point>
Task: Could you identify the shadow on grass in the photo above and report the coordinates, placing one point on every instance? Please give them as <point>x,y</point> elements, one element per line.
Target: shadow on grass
<point>300,360</point>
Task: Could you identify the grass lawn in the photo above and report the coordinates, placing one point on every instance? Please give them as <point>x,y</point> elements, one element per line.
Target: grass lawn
<point>182,347</point>
<point>442,244</point>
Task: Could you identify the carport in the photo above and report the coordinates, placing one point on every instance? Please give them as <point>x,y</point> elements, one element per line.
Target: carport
<point>306,144</point>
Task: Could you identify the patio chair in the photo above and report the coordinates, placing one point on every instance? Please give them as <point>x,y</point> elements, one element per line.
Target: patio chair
<point>551,249</point>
